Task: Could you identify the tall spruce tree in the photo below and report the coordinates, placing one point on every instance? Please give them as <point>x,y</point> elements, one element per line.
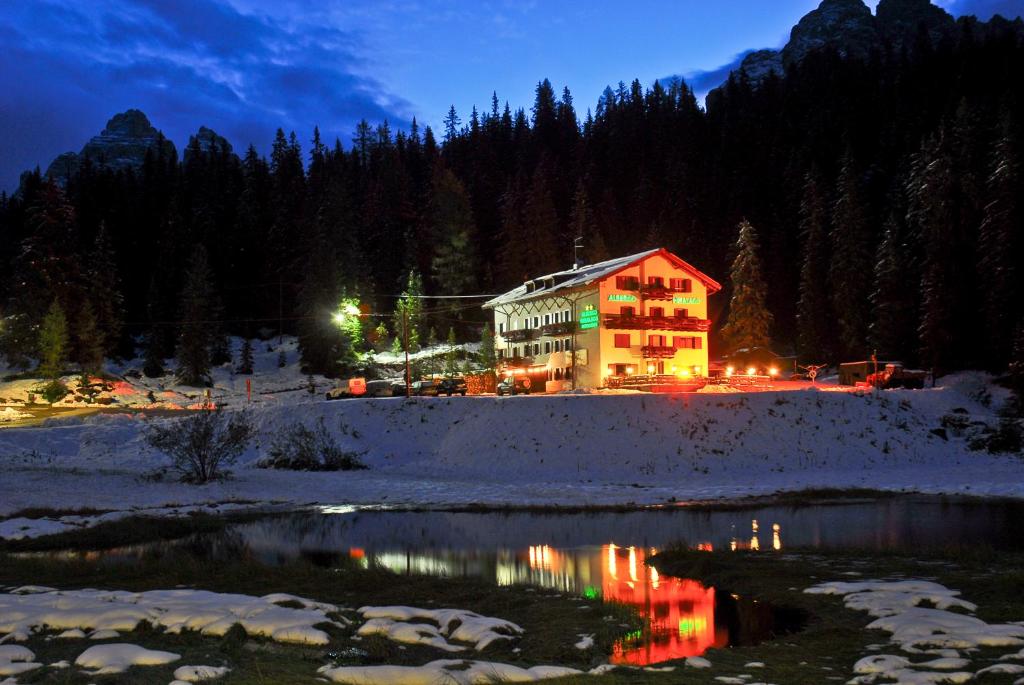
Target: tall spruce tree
<point>409,314</point>
<point>1000,251</point>
<point>892,329</point>
<point>749,321</point>
<point>814,313</point>
<point>850,272</point>
<point>454,262</point>
<point>104,292</point>
<point>486,357</point>
<point>196,306</point>
<point>90,340</point>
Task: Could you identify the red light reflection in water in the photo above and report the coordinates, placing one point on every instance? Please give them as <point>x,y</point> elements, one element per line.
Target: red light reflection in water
<point>680,613</point>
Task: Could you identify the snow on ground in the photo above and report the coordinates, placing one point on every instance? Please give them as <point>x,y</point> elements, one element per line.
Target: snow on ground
<point>453,672</point>
<point>10,414</point>
<point>922,631</point>
<point>195,674</point>
<point>571,450</point>
<point>116,658</point>
<point>399,623</point>
<point>15,659</point>
<point>32,609</point>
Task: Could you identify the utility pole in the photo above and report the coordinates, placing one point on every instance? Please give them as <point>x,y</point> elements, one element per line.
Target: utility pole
<point>576,245</point>
<point>280,309</point>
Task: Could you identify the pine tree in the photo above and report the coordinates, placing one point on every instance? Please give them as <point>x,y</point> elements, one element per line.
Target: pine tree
<point>850,272</point>
<point>53,343</point>
<point>409,311</point>
<point>1000,251</point>
<point>814,315</point>
<point>540,222</point>
<point>892,329</point>
<point>245,359</point>
<point>486,356</point>
<point>453,266</point>
<point>451,357</point>
<point>197,296</point>
<point>90,341</point>
<point>104,292</point>
<point>749,319</point>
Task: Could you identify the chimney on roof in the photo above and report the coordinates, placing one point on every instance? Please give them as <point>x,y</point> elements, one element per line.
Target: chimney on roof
<point>577,244</point>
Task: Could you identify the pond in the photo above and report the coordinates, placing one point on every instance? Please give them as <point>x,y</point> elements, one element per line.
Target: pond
<point>603,554</point>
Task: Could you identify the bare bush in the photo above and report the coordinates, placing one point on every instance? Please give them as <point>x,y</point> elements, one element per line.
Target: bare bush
<point>201,444</point>
<point>309,449</point>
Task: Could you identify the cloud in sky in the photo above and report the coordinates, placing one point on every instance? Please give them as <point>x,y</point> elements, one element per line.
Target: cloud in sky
<point>984,9</point>
<point>69,66</point>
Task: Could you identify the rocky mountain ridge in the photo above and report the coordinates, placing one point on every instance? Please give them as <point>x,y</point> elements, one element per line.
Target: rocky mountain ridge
<point>851,28</point>
<point>124,142</point>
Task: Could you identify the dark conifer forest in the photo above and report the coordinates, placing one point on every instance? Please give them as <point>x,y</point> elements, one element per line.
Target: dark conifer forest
<point>885,192</point>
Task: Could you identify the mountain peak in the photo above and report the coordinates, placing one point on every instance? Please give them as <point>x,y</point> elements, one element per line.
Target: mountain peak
<point>847,25</point>
<point>122,144</point>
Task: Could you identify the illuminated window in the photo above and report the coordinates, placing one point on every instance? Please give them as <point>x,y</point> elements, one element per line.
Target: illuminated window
<point>627,312</point>
<point>682,313</point>
<point>657,312</point>
<point>622,340</point>
<point>656,340</point>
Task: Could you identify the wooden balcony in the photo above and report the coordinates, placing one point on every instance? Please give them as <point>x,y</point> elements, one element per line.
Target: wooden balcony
<point>657,352</point>
<point>516,362</point>
<point>519,335</point>
<point>560,328</point>
<point>690,324</point>
<point>660,292</point>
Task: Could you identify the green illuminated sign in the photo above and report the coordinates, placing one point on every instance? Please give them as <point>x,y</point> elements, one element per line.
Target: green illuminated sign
<point>679,299</point>
<point>589,318</point>
<point>622,298</point>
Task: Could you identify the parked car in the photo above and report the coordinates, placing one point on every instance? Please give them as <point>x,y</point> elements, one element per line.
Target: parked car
<point>424,388</point>
<point>452,386</point>
<point>398,389</point>
<point>380,389</point>
<point>515,385</point>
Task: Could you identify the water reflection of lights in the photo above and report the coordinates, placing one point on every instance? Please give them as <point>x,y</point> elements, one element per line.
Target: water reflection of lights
<point>754,544</point>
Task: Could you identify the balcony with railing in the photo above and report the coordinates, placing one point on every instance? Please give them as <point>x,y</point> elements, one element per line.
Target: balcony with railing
<point>560,328</point>
<point>516,362</point>
<point>689,324</point>
<point>657,352</point>
<point>660,291</point>
<point>519,335</point>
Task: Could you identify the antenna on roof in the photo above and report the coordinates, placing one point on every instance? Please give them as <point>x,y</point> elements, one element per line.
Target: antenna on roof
<point>576,245</point>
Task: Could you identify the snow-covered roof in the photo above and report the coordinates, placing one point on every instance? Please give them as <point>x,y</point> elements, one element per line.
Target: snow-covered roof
<point>571,278</point>
<point>585,275</point>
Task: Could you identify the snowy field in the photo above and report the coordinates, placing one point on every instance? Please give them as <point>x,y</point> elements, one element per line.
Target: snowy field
<point>570,450</point>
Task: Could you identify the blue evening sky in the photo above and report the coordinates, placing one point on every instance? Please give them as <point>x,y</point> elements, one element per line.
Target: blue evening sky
<point>245,67</point>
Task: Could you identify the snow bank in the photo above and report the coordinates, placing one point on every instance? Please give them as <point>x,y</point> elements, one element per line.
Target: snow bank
<point>447,672</point>
<point>34,609</point>
<point>15,659</point>
<point>103,659</point>
<point>399,624</point>
<point>559,449</point>
<point>195,674</point>
<point>922,630</point>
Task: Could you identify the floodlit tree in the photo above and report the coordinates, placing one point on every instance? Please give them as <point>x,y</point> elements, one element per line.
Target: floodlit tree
<point>409,313</point>
<point>451,355</point>
<point>53,342</point>
<point>487,357</point>
<point>749,319</point>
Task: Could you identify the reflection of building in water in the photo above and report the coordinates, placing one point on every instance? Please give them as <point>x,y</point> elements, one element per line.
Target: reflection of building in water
<point>680,613</point>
